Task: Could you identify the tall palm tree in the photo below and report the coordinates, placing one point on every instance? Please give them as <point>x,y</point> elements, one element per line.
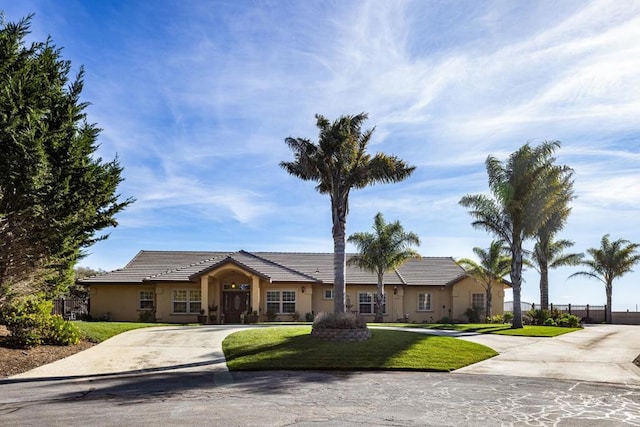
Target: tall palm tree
<point>524,192</point>
<point>339,162</point>
<point>608,262</point>
<point>494,265</point>
<point>548,254</point>
<point>387,248</point>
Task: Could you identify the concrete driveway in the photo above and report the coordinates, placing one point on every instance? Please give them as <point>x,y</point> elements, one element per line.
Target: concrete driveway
<point>164,348</point>
<point>602,353</point>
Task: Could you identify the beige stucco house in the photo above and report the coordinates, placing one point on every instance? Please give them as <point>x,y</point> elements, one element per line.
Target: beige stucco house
<point>177,285</point>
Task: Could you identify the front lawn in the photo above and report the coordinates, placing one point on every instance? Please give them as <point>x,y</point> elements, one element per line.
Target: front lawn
<point>100,331</point>
<point>488,328</point>
<point>294,348</point>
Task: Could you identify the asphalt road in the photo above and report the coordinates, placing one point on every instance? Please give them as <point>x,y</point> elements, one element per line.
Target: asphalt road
<point>177,376</point>
<point>281,398</point>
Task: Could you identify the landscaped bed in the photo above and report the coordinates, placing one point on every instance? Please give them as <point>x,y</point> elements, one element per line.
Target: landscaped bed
<point>294,348</point>
<point>488,328</point>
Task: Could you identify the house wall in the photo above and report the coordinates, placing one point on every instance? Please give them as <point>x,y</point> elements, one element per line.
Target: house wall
<point>440,303</point>
<point>304,300</point>
<point>461,297</point>
<point>118,303</point>
<point>319,303</point>
<point>394,305</point>
<point>164,303</point>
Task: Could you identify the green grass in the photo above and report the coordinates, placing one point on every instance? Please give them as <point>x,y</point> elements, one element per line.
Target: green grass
<point>489,328</point>
<point>294,348</point>
<point>100,331</point>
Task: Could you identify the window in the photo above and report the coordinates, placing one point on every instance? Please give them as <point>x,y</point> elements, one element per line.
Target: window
<point>281,301</point>
<point>186,301</point>
<point>367,304</point>
<point>146,300</point>
<point>328,293</point>
<point>424,302</point>
<point>477,301</point>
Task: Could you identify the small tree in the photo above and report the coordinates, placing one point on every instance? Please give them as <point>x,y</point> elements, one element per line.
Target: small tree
<point>387,248</point>
<point>609,262</point>
<point>338,163</point>
<point>494,265</point>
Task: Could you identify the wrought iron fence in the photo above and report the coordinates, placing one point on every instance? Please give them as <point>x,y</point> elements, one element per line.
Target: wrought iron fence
<point>71,308</point>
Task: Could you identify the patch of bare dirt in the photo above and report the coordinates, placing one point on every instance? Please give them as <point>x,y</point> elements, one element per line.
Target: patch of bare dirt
<point>15,361</point>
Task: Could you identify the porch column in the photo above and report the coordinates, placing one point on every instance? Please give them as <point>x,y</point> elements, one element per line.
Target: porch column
<point>204,294</point>
<point>255,293</point>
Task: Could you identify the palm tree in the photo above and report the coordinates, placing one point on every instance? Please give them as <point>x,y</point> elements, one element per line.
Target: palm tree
<point>494,265</point>
<point>610,261</point>
<point>524,195</point>
<point>338,163</point>
<point>548,254</point>
<point>387,248</point>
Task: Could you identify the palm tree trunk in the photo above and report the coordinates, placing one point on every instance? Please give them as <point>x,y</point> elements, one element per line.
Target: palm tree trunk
<point>379,317</point>
<point>516,281</point>
<point>609,289</point>
<point>339,254</point>
<point>489,310</point>
<point>544,287</point>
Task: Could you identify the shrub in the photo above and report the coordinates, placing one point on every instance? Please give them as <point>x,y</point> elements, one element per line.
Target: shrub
<point>295,316</point>
<point>308,317</point>
<point>508,317</point>
<point>445,320</point>
<point>567,320</point>
<point>271,315</point>
<point>147,316</point>
<point>474,314</point>
<point>496,318</point>
<point>339,321</point>
<point>550,322</point>
<point>61,332</point>
<point>27,319</point>
<point>537,316</point>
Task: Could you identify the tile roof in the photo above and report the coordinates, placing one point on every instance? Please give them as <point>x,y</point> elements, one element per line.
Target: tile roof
<point>181,266</point>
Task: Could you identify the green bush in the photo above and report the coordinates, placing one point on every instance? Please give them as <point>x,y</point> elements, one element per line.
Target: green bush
<point>537,316</point>
<point>567,320</point>
<point>496,318</point>
<point>147,316</point>
<point>550,322</point>
<point>27,319</point>
<point>61,332</point>
<point>339,321</point>
<point>508,317</point>
<point>474,314</point>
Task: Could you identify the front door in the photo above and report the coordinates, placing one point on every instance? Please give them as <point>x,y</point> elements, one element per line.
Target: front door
<point>234,303</point>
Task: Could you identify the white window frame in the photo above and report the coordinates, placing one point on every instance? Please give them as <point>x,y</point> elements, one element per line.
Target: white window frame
<point>286,299</point>
<point>145,297</point>
<point>425,302</point>
<point>328,294</point>
<point>480,296</point>
<point>372,302</point>
<point>192,299</point>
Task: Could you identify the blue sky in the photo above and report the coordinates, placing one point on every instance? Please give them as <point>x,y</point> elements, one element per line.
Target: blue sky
<point>197,97</point>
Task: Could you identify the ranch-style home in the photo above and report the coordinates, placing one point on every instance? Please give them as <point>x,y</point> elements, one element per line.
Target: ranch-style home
<point>228,286</point>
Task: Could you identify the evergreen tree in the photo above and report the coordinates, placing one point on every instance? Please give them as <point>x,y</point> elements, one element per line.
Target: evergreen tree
<point>55,194</point>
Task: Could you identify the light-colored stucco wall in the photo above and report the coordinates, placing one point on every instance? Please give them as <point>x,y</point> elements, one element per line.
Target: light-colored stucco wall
<point>440,303</point>
<point>304,299</point>
<point>462,292</point>
<point>118,303</point>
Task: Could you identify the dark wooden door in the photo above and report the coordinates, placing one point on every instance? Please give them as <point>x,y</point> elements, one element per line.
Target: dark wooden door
<point>234,304</point>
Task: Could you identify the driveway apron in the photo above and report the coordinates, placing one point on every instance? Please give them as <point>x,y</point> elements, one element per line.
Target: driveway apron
<point>155,349</point>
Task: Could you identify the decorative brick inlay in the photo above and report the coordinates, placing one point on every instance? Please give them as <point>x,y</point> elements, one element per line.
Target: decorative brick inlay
<point>342,334</point>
